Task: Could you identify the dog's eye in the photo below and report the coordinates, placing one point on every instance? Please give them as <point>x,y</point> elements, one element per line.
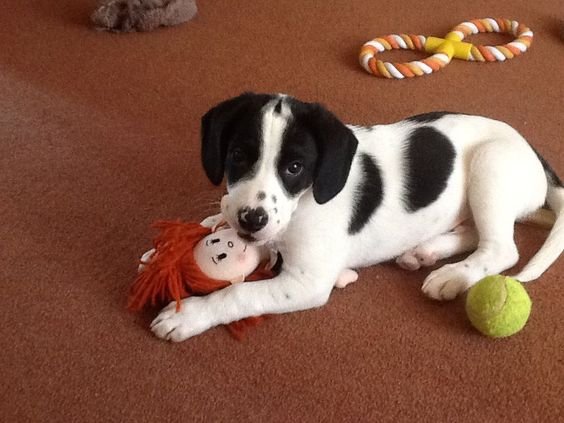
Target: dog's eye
<point>295,168</point>
<point>238,156</point>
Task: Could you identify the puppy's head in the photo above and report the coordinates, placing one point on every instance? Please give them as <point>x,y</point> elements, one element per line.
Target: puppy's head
<point>272,149</point>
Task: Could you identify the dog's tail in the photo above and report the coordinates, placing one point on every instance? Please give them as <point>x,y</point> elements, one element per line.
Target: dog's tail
<point>554,244</point>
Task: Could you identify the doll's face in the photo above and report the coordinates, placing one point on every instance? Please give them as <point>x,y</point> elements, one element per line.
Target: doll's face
<point>224,256</point>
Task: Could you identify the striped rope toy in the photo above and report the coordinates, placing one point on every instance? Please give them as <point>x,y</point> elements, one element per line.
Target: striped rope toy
<point>444,50</point>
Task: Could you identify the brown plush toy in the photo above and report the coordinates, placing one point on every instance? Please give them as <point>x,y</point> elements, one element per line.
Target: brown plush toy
<point>141,15</point>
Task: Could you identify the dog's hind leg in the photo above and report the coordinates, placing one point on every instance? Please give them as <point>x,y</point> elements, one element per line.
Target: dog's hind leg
<point>460,240</point>
<point>505,182</point>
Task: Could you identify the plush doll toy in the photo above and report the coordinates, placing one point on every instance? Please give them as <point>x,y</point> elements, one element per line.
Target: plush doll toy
<point>193,259</point>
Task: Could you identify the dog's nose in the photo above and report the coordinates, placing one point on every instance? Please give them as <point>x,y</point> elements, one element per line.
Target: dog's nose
<point>252,220</point>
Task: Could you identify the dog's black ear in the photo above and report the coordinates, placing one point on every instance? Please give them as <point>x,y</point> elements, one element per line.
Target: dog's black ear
<point>336,146</point>
<point>215,127</point>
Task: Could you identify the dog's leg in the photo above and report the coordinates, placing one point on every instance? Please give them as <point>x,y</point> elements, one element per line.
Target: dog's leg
<point>460,240</point>
<point>282,294</point>
<point>505,182</point>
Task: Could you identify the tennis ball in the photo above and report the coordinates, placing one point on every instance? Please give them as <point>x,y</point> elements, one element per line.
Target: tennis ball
<point>498,306</point>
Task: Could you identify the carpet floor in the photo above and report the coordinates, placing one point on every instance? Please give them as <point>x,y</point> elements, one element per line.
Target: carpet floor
<point>99,137</point>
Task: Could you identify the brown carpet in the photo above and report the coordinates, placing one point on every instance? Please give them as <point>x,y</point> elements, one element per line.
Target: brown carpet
<point>99,136</point>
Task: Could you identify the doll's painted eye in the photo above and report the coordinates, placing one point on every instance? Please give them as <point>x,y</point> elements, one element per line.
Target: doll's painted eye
<point>211,241</point>
<point>230,244</point>
<point>221,256</point>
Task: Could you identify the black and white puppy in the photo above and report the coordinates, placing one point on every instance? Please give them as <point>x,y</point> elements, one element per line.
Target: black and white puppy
<point>332,196</point>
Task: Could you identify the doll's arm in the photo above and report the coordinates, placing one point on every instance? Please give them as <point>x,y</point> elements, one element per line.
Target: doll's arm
<point>213,222</point>
<point>145,259</point>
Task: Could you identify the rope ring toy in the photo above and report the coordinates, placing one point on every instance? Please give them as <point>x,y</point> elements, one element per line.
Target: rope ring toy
<point>445,49</point>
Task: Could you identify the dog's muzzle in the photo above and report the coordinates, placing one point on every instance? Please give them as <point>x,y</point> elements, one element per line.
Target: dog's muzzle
<point>252,220</point>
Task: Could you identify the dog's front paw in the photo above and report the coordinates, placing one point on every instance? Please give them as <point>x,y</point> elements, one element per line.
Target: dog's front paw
<point>447,282</point>
<point>192,319</point>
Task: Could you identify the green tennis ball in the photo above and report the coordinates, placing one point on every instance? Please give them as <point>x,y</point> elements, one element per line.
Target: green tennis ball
<point>498,306</point>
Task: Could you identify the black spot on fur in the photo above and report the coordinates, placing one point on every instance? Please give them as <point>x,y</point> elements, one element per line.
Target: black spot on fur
<point>236,169</point>
<point>368,195</point>
<point>231,137</point>
<point>429,117</point>
<point>278,107</point>
<point>261,196</point>
<point>298,146</point>
<point>334,143</point>
<point>429,160</point>
<point>551,175</point>
<point>274,199</point>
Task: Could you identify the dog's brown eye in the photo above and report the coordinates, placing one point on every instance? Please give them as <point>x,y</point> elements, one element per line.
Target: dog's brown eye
<point>238,156</point>
<point>295,168</point>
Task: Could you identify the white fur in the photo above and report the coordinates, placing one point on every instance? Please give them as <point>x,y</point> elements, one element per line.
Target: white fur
<point>497,179</point>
